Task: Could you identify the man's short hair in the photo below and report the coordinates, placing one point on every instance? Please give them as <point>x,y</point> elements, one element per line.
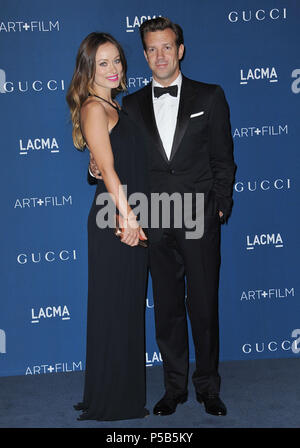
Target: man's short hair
<point>160,24</point>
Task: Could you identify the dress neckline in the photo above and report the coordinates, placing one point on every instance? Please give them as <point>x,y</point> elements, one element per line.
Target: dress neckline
<point>100,97</point>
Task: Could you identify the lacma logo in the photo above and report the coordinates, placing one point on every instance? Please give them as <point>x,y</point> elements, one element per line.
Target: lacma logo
<point>37,144</point>
<point>152,359</point>
<point>255,74</point>
<point>50,312</point>
<point>135,22</point>
<point>2,341</point>
<point>265,239</point>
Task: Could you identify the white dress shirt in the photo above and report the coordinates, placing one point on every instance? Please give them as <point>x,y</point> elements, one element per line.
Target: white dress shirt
<point>166,111</point>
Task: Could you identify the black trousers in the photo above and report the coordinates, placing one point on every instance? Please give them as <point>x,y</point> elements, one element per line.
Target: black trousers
<point>174,259</point>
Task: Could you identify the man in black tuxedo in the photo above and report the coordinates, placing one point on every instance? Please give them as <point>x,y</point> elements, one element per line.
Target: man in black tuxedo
<point>188,136</point>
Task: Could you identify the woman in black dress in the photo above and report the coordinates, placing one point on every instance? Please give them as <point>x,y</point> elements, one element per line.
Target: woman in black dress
<point>115,354</point>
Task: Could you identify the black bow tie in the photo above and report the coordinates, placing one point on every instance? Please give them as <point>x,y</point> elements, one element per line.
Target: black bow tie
<point>172,90</point>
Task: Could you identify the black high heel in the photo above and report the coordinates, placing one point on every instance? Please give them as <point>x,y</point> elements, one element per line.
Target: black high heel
<point>80,407</point>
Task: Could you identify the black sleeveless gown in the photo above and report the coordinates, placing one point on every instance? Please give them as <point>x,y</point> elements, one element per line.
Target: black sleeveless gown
<point>115,355</point>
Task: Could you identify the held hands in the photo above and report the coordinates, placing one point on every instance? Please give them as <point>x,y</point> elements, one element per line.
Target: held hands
<point>131,231</point>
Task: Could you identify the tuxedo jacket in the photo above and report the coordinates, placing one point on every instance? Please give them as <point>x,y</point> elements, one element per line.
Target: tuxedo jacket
<point>202,153</point>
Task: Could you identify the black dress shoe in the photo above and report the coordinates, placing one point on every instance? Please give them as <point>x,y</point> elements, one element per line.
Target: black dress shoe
<point>167,405</point>
<point>213,404</point>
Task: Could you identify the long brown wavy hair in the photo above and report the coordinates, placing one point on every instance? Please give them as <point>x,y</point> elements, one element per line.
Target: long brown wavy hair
<point>82,81</point>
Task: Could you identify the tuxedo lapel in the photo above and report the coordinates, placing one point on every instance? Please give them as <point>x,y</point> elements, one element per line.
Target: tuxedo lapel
<point>185,108</point>
<point>184,111</point>
<point>146,106</point>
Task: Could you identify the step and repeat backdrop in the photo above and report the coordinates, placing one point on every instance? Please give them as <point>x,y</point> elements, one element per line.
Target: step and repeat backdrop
<point>250,48</point>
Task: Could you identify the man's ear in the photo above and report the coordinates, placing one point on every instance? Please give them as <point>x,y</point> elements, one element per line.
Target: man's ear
<point>145,54</point>
<point>180,51</point>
